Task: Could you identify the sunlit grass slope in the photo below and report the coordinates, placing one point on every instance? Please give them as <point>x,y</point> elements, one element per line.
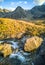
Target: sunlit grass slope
<point>10,28</point>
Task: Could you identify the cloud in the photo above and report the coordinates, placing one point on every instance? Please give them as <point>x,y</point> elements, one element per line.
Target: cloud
<point>22,2</point>
<point>12,3</point>
<point>1,7</point>
<point>1,0</point>
<point>39,2</point>
<point>11,8</point>
<point>19,2</point>
<point>25,2</point>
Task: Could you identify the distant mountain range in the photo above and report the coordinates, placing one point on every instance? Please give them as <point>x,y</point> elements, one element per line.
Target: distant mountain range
<point>3,12</point>
<point>37,12</point>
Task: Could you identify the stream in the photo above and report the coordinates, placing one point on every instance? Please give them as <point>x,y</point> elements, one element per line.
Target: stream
<point>23,57</point>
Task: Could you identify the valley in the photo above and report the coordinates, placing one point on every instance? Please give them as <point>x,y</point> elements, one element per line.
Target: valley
<point>21,41</point>
<point>22,36</point>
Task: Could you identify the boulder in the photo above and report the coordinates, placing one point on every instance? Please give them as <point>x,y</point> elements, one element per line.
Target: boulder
<point>32,43</point>
<point>20,35</point>
<point>5,49</point>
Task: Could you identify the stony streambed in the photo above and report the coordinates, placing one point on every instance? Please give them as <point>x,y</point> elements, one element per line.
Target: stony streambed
<point>18,55</point>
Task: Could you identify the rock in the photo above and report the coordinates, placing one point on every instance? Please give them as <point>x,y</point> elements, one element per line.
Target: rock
<point>39,60</point>
<point>32,43</point>
<point>20,35</point>
<point>5,49</point>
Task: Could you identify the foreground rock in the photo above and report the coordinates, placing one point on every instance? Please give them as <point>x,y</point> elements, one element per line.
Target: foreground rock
<point>32,43</point>
<point>5,49</point>
<point>40,58</point>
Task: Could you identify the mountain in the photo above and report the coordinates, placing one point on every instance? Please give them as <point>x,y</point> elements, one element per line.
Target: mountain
<point>37,12</point>
<point>3,12</point>
<point>19,13</point>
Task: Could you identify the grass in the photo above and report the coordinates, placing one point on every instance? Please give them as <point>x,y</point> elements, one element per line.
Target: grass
<point>10,28</point>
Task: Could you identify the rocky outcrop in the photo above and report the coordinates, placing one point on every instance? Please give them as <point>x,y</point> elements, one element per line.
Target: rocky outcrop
<point>32,43</point>
<point>20,35</point>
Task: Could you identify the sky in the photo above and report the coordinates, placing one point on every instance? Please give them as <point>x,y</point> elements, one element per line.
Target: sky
<point>26,4</point>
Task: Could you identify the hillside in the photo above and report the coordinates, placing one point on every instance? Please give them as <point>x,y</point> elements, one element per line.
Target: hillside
<point>38,12</point>
<point>18,13</point>
<point>3,12</point>
<point>11,28</point>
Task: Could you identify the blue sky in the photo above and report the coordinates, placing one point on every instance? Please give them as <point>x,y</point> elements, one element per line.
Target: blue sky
<point>26,4</point>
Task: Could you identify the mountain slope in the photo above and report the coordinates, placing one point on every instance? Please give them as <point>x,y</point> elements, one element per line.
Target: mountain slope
<point>18,13</point>
<point>3,12</point>
<point>37,12</point>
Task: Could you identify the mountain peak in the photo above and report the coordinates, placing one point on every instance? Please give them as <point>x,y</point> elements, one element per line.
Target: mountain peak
<point>19,12</point>
<point>19,8</point>
<point>37,12</point>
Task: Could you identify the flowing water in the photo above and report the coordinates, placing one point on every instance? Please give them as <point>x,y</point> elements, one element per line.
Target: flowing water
<point>24,57</point>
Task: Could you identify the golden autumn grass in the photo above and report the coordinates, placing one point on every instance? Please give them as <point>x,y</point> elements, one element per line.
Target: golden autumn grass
<point>10,28</point>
